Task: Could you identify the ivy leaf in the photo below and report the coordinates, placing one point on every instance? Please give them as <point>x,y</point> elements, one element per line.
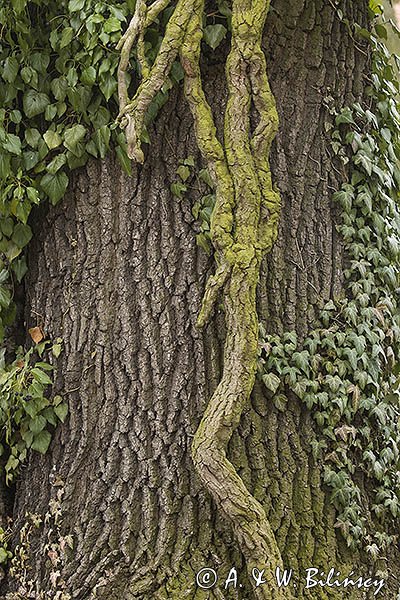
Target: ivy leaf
<point>214,34</point>
<point>183,172</point>
<point>22,235</point>
<point>178,189</point>
<point>41,376</point>
<point>381,31</point>
<point>12,144</point>
<point>33,195</point>
<point>75,5</point>
<point>41,442</point>
<point>55,186</point>
<point>5,297</point>
<point>66,37</point>
<point>73,135</point>
<point>112,24</point>
<point>271,382</point>
<point>302,360</point>
<point>346,116</point>
<point>88,76</point>
<point>61,411</point>
<point>32,137</point>
<point>52,139</point>
<point>56,164</point>
<point>10,69</point>
<point>123,160</point>
<point>35,103</point>
<point>102,140</point>
<point>37,424</point>
<point>108,85</point>
<point>19,5</point>
<point>19,267</point>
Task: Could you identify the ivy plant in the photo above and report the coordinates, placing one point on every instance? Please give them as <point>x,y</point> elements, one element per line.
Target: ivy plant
<point>347,370</point>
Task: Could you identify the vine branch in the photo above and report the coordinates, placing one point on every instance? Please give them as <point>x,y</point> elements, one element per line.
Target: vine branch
<point>243,227</point>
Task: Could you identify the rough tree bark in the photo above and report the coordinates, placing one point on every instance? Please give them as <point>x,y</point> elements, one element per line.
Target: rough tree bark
<point>115,271</point>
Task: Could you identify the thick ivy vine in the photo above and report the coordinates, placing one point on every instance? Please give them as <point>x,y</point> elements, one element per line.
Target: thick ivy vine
<point>347,370</point>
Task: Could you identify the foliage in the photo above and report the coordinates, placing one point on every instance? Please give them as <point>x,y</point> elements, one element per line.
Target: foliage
<point>58,83</point>
<point>204,205</point>
<point>55,550</point>
<point>347,370</point>
<point>25,412</point>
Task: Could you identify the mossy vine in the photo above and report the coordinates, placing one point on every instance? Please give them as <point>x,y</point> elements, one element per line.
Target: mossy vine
<point>243,228</point>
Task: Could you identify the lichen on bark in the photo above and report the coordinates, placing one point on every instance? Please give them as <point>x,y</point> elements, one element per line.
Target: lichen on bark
<point>243,228</point>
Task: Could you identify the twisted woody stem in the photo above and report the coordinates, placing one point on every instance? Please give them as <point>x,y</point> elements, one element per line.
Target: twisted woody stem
<point>243,228</point>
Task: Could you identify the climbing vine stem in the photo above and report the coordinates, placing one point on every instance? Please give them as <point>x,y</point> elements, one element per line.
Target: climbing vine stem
<point>243,228</point>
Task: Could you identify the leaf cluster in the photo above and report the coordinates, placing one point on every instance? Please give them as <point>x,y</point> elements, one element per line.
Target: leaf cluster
<point>347,371</point>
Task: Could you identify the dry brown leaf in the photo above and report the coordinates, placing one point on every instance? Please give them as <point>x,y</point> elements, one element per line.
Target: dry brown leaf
<point>36,334</point>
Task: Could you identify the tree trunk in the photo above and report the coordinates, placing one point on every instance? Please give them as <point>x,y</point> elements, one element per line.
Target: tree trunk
<point>115,271</point>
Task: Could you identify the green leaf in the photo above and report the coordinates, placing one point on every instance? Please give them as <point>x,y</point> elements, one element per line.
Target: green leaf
<point>271,382</point>
<point>124,160</point>
<point>108,85</point>
<point>66,37</point>
<point>61,411</point>
<point>10,69</point>
<point>19,5</point>
<point>32,137</point>
<point>112,24</point>
<point>4,555</point>
<point>214,34</point>
<point>22,235</point>
<point>50,112</point>
<point>40,61</point>
<point>37,424</point>
<point>183,172</point>
<point>15,116</point>
<point>56,164</point>
<point>88,76</point>
<point>33,195</point>
<point>102,140</point>
<point>56,350</point>
<point>5,297</point>
<point>346,116</point>
<point>73,135</point>
<point>75,5</point>
<point>54,185</point>
<point>35,103</point>
<point>381,31</point>
<point>41,376</point>
<point>41,442</point>
<point>178,189</point>
<point>19,267</point>
<point>12,463</point>
<point>12,144</point>
<point>52,139</point>
<point>59,88</point>
<point>204,175</point>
